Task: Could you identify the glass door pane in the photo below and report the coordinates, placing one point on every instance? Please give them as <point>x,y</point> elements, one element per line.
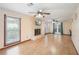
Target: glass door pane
<point>12,30</point>
<point>57,28</point>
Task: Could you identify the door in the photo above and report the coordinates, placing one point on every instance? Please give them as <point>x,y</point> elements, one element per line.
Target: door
<point>57,28</point>
<point>12,30</point>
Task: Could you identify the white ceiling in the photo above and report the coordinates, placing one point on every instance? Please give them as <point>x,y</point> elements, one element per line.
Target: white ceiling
<point>59,11</point>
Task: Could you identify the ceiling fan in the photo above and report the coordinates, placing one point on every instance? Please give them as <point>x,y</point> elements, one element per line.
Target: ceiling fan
<point>41,12</point>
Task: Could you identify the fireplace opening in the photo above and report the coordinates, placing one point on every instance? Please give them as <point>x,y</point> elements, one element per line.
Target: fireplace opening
<point>37,31</point>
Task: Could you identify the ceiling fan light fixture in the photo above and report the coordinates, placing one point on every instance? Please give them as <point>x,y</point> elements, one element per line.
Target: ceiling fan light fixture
<point>40,10</point>
<point>39,16</point>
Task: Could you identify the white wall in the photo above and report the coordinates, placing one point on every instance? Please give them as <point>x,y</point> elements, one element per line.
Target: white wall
<point>27,25</point>
<point>75,31</point>
<point>67,25</point>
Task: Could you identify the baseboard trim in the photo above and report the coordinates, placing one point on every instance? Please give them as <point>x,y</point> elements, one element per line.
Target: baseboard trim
<point>74,47</point>
<point>61,34</point>
<point>48,33</point>
<point>67,34</point>
<point>14,44</point>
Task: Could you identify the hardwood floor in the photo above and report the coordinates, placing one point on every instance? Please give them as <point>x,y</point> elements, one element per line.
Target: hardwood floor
<point>48,45</point>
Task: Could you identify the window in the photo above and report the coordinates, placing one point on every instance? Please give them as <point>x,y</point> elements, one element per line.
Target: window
<point>12,30</point>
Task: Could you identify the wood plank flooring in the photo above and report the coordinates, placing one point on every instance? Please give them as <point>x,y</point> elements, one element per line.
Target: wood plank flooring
<point>48,45</point>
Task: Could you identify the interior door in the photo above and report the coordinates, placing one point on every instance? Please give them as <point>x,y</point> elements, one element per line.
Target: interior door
<point>12,30</point>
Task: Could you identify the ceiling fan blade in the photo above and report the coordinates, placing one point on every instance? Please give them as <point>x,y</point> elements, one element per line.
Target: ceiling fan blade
<point>32,12</point>
<point>47,13</point>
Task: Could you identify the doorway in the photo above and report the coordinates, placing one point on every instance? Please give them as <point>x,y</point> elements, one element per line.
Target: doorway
<point>12,30</point>
<point>58,28</point>
<point>48,27</point>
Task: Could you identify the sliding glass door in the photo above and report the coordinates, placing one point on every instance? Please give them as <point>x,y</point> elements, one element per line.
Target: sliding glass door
<point>12,30</point>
